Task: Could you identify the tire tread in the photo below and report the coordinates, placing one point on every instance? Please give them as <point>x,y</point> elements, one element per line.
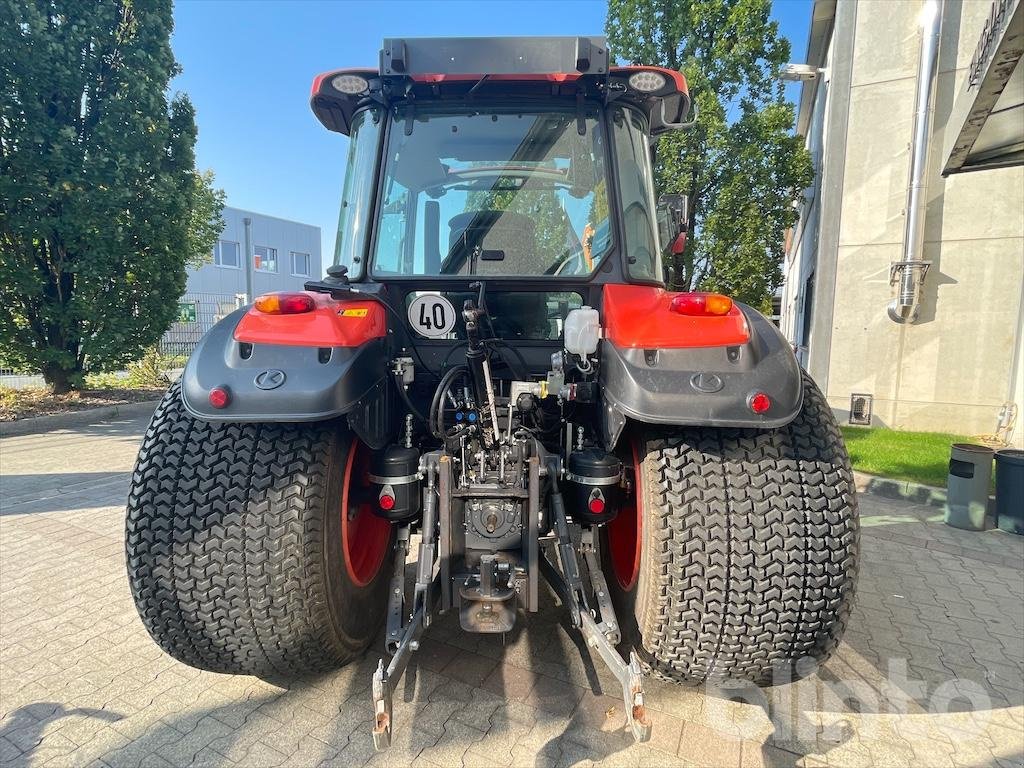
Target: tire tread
<point>752,564</point>
<point>224,539</point>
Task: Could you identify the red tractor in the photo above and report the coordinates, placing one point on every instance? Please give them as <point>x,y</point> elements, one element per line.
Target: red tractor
<point>494,366</point>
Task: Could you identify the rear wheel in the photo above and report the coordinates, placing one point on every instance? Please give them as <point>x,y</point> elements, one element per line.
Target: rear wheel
<point>251,548</point>
<point>739,558</point>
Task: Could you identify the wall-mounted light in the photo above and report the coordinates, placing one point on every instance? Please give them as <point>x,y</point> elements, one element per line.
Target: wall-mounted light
<point>800,72</point>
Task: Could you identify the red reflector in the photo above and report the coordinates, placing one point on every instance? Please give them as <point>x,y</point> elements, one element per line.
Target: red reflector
<point>701,304</point>
<point>220,397</point>
<point>597,505</point>
<point>386,502</point>
<point>285,303</point>
<point>759,402</point>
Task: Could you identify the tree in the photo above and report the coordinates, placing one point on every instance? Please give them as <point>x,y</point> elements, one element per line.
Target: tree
<point>740,164</point>
<point>101,206</point>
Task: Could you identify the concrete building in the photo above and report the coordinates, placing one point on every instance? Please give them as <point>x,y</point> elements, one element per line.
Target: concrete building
<point>284,255</point>
<point>924,336</point>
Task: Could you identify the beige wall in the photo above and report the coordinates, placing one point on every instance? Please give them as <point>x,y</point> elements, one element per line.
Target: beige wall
<point>954,368</point>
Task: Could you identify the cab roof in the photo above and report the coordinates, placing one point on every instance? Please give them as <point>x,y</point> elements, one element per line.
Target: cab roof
<point>511,68</point>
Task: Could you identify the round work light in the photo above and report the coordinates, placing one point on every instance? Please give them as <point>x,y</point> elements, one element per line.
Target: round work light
<point>646,81</point>
<point>350,84</point>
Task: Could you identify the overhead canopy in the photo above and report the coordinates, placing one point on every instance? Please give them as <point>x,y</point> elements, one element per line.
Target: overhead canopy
<point>987,124</point>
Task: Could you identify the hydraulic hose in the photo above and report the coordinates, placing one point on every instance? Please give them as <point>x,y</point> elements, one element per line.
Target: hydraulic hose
<point>496,343</point>
<point>400,386</point>
<point>435,424</point>
<point>522,373</point>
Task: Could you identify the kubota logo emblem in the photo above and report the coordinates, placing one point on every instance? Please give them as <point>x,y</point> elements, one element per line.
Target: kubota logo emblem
<point>271,379</point>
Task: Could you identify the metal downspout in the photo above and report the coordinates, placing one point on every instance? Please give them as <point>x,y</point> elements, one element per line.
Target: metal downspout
<point>910,273</point>
<point>248,260</point>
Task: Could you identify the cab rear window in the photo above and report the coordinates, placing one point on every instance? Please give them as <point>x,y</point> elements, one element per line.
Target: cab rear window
<point>494,192</point>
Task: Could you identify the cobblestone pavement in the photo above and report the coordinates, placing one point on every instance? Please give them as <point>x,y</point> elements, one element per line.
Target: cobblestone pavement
<point>931,672</point>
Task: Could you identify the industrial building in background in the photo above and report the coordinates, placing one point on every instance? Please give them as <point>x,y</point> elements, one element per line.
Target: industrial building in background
<point>904,279</point>
<point>282,256</point>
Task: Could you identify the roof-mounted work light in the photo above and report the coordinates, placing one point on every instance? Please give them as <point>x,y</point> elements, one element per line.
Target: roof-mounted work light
<point>350,84</point>
<point>646,81</point>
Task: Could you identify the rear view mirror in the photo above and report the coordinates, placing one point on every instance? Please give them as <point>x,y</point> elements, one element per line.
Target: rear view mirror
<point>673,215</point>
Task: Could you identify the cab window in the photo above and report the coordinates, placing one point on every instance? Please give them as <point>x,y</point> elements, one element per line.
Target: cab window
<point>636,190</point>
<point>353,219</point>
<point>493,192</point>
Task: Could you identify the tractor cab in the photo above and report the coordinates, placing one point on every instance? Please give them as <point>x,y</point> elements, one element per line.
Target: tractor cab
<point>507,158</point>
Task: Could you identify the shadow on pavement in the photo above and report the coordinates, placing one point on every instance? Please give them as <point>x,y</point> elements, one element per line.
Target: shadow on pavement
<point>129,428</point>
<point>61,492</point>
<point>24,726</point>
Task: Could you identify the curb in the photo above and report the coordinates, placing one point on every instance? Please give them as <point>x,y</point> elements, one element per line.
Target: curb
<point>39,424</point>
<point>903,490</point>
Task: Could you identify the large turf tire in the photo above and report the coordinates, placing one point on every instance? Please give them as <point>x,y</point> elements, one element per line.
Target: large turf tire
<point>234,545</point>
<point>748,549</point>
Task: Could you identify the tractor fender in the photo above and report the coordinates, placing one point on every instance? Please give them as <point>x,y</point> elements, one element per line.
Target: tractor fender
<point>283,382</point>
<point>702,385</point>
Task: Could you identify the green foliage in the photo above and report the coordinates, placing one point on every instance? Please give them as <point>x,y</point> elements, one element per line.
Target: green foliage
<point>100,203</point>
<point>740,164</point>
<point>598,212</point>
<point>149,371</point>
<point>205,222</point>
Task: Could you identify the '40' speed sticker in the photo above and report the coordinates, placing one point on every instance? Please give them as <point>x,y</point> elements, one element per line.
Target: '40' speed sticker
<point>432,315</point>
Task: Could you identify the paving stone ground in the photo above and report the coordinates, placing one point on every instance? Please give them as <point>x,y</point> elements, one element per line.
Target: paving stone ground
<point>931,672</point>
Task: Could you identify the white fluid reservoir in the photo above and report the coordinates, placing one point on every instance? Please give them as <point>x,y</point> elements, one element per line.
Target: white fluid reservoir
<point>582,331</point>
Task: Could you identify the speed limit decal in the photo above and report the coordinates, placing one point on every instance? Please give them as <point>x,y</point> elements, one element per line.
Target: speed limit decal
<point>432,315</point>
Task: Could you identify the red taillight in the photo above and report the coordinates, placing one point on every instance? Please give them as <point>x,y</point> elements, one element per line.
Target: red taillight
<point>759,402</point>
<point>386,502</point>
<point>714,304</point>
<point>220,397</point>
<point>285,303</point>
<point>596,505</point>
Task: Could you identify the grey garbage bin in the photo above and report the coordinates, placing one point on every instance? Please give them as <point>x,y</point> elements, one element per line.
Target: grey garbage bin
<point>970,475</point>
<point>1010,490</point>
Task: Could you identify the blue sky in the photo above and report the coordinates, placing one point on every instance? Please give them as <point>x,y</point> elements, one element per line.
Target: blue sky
<point>248,66</point>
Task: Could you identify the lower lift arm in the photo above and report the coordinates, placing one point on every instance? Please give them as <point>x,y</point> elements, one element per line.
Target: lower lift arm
<point>601,637</point>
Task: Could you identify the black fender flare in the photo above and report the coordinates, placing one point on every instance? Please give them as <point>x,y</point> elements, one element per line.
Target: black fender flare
<point>702,386</point>
<point>283,382</point>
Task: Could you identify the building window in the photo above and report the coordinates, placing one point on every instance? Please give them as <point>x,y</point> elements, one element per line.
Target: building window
<point>265,259</point>
<point>226,254</point>
<point>300,264</point>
